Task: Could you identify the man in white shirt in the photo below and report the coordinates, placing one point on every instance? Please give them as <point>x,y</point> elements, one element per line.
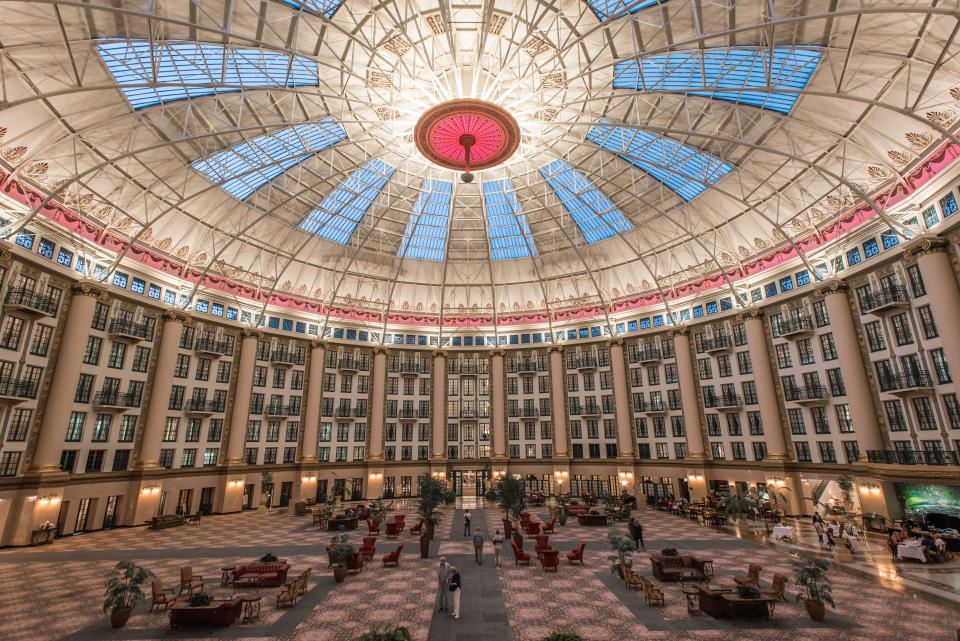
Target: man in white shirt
<point>466,523</point>
<point>443,584</point>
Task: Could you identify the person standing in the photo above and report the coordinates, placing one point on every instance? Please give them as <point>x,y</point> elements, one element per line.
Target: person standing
<point>497,547</point>
<point>478,546</point>
<point>455,588</point>
<point>443,584</point>
<point>466,523</point>
<point>636,531</point>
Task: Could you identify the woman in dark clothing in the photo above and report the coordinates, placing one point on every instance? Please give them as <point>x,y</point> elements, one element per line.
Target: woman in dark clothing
<point>455,588</point>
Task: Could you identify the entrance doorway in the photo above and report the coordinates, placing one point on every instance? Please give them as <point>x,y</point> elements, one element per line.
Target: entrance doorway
<point>470,482</point>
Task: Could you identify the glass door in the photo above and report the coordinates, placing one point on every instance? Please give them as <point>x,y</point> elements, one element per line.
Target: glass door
<point>110,515</point>
<point>82,512</point>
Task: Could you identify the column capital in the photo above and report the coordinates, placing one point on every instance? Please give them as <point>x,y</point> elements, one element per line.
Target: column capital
<point>498,352</point>
<point>246,332</point>
<point>750,313</point>
<point>925,246</point>
<point>5,257</point>
<point>831,287</point>
<point>380,349</point>
<point>176,317</point>
<point>438,353</point>
<point>319,345</point>
<point>678,331</point>
<point>619,342</point>
<point>86,289</point>
<point>555,348</point>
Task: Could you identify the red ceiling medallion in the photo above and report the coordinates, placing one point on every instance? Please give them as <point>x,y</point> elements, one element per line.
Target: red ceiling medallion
<point>467,134</point>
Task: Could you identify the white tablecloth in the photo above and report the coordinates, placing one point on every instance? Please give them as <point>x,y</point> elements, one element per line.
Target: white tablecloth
<point>780,531</point>
<point>911,552</point>
<point>834,529</point>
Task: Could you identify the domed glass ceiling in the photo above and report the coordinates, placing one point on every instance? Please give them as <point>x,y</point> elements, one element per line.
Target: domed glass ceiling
<point>665,146</point>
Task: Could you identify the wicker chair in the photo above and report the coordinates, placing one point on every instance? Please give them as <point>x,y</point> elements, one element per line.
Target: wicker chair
<point>161,596</point>
<point>752,577</point>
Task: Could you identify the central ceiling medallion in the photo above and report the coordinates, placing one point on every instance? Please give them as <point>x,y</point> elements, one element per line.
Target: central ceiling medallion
<point>467,134</point>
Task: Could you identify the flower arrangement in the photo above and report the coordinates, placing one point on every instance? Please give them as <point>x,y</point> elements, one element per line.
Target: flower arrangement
<point>47,525</point>
<point>200,599</point>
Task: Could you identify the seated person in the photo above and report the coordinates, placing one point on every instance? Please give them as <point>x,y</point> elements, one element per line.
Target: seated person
<point>928,543</point>
<point>826,542</point>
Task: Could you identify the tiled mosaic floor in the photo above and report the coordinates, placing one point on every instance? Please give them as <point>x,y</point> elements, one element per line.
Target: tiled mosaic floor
<point>54,592</point>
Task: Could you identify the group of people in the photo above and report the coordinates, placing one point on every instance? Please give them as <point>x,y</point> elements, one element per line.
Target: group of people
<point>825,533</point>
<point>934,546</point>
<point>448,583</point>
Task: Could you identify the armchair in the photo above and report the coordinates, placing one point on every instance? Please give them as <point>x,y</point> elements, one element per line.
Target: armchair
<point>548,527</point>
<point>634,582</point>
<point>303,581</point>
<point>287,598</point>
<point>577,555</point>
<point>369,547</point>
<point>652,595</point>
<point>399,520</point>
<point>752,577</point>
<point>776,589</point>
<point>393,530</point>
<point>519,556</point>
<point>550,559</point>
<point>161,596</point>
<point>354,563</point>
<point>543,543</point>
<point>188,582</point>
<point>371,528</point>
<point>418,528</point>
<point>393,558</point>
<point>532,528</point>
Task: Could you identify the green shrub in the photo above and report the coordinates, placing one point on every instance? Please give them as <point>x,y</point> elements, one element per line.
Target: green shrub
<point>269,557</point>
<point>200,599</point>
<point>385,634</point>
<point>562,636</point>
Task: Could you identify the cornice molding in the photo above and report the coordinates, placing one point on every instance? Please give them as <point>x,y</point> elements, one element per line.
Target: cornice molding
<point>926,246</point>
<point>831,287</point>
<point>751,313</point>
<point>86,289</point>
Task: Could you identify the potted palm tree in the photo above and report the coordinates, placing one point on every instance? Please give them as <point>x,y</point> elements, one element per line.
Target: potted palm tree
<point>123,591</point>
<point>432,496</point>
<point>623,546</point>
<point>339,552</point>
<point>738,508</point>
<point>511,495</point>
<point>811,577</point>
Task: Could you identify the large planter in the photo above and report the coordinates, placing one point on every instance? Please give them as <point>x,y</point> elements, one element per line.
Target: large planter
<point>817,611</point>
<point>424,547</point>
<point>119,617</point>
<point>744,531</point>
<point>339,573</point>
<point>428,531</point>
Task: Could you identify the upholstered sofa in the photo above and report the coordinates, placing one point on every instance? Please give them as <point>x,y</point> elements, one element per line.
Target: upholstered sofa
<point>217,613</point>
<point>165,521</point>
<point>592,519</point>
<point>273,574</point>
<point>668,568</point>
<point>720,605</point>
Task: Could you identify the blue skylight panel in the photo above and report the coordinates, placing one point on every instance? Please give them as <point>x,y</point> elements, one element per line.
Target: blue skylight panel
<point>246,167</point>
<point>325,8</point>
<point>606,9</point>
<point>426,233</point>
<point>682,168</point>
<point>595,215</point>
<point>339,213</point>
<point>744,75</point>
<point>153,73</point>
<point>510,235</point>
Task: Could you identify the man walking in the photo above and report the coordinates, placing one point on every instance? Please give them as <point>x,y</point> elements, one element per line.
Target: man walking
<point>443,584</point>
<point>497,547</point>
<point>636,531</point>
<point>466,523</point>
<point>478,547</point>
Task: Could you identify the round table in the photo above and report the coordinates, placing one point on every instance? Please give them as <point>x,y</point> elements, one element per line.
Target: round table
<point>693,599</point>
<point>226,578</point>
<point>251,608</point>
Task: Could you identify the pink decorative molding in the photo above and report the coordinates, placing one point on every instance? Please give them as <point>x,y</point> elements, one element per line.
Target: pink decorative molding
<point>938,160</point>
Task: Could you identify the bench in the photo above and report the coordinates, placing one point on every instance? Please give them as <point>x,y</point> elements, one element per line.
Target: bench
<point>165,521</point>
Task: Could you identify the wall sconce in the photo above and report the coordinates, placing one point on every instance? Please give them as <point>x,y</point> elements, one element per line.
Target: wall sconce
<point>560,476</point>
<point>776,482</point>
<point>436,475</point>
<point>870,489</point>
<point>47,500</point>
<point>498,473</point>
<point>153,489</point>
<point>695,477</point>
<point>234,483</point>
<point>376,475</point>
<point>308,478</point>
<point>625,478</point>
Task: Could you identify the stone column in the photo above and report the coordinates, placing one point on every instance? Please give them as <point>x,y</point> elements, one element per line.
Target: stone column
<point>63,385</point>
<point>240,413</point>
<point>766,387</point>
<point>160,387</point>
<point>439,416</point>
<point>311,415</point>
<point>859,397</point>
<point>940,279</point>
<point>378,396</point>
<point>498,409</point>
<point>689,400</point>
<point>558,402</point>
<point>621,399</point>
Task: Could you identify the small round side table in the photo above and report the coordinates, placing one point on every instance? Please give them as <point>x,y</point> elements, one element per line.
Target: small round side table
<point>693,600</point>
<point>226,578</point>
<point>251,608</point>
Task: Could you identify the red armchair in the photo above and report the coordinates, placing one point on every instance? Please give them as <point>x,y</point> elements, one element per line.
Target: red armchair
<point>393,530</point>
<point>369,547</point>
<point>524,518</point>
<point>543,543</point>
<point>533,528</point>
<point>550,559</point>
<point>519,556</point>
<point>393,558</point>
<point>371,528</point>
<point>548,527</point>
<point>576,555</point>
<point>418,528</point>
<point>354,563</point>
<point>399,520</point>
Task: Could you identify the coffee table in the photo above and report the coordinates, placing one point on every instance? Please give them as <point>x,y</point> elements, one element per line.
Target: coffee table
<point>251,608</point>
<point>249,582</point>
<point>690,576</point>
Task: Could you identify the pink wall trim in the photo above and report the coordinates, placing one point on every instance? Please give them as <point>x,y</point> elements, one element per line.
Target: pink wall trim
<point>57,212</point>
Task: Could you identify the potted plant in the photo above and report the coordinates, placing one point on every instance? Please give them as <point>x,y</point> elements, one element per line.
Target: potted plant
<point>811,577</point>
<point>847,488</point>
<point>123,591</point>
<point>339,552</point>
<point>623,546</point>
<point>561,511</point>
<point>377,511</point>
<point>748,592</point>
<point>269,557</point>
<point>385,634</point>
<point>200,599</point>
<point>431,498</point>
<point>738,507</point>
<point>562,636</point>
<point>511,495</point>
<point>669,552</point>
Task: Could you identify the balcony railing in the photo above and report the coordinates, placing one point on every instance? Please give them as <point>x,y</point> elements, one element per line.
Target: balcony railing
<point>15,388</point>
<point>470,368</point>
<point>358,412</point>
<point>919,457</point>
<point>646,355</point>
<point>886,299</point>
<point>584,362</point>
<point>526,367</point>
<point>111,398</point>
<point>905,382</point>
<point>806,394</point>
<point>29,301</point>
<point>723,400</point>
<point>203,406</point>
<point>716,344</point>
<point>411,367</point>
<point>406,413</point>
<point>589,409</point>
<point>353,364</point>
<point>286,357</point>
<point>651,408</point>
<point>344,412</point>
<point>211,346</point>
<point>123,328</point>
<point>795,327</point>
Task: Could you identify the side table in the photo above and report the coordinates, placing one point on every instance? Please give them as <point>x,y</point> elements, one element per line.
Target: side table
<point>251,608</point>
<point>693,600</point>
<point>708,568</point>
<point>227,577</point>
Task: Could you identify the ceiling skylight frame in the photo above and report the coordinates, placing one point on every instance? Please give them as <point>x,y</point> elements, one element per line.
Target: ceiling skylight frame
<point>726,73</point>
<point>160,72</point>
<point>248,166</point>
<point>425,236</point>
<point>337,215</point>
<point>595,215</point>
<point>684,169</point>
<point>507,229</point>
<point>613,9</point>
<point>325,8</point>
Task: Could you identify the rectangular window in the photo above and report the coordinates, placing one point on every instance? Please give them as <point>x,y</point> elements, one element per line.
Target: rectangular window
<point>927,323</point>
<point>41,340</point>
<point>916,281</point>
<point>75,427</point>
<point>844,420</point>
<point>118,353</point>
<point>803,452</point>
<point>10,332</point>
<point>170,429</point>
<point>827,452</point>
<point>827,347</point>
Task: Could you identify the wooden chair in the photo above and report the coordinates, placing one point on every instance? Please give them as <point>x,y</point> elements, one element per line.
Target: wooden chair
<point>548,527</point>
<point>576,555</point>
<point>519,556</point>
<point>287,598</point>
<point>371,528</point>
<point>652,595</point>
<point>393,558</point>
<point>188,582</point>
<point>194,519</point>
<point>752,577</point>
<point>161,596</point>
<point>776,589</point>
<point>304,581</point>
<point>634,582</point>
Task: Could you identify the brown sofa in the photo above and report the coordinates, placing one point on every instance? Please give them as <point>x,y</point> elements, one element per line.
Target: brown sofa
<point>592,519</point>
<point>668,568</point>
<point>273,574</point>
<point>217,613</point>
<point>721,605</point>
